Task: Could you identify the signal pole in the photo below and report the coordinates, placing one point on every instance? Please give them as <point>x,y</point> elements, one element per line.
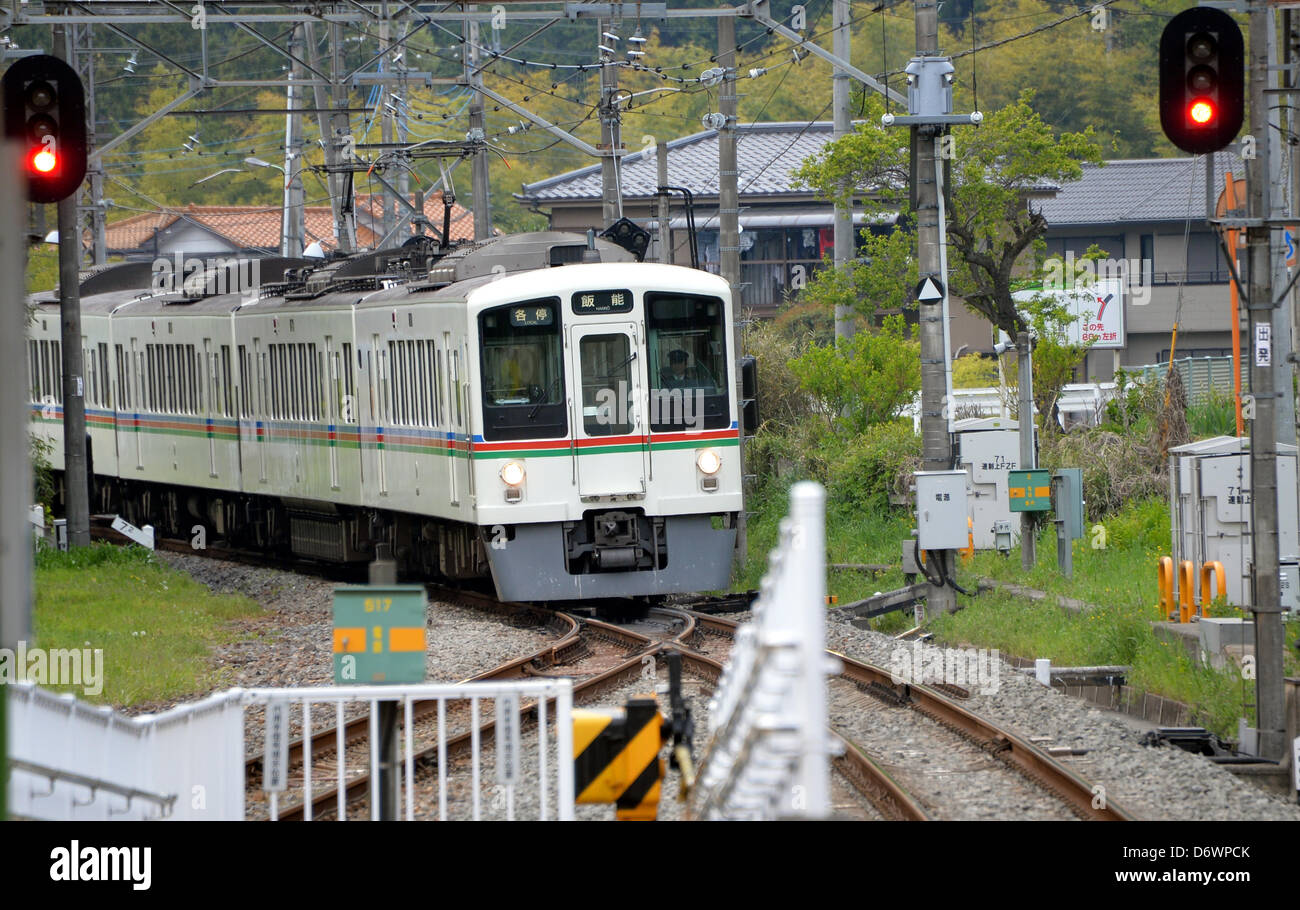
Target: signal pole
<point>729,235</point>
<point>611,139</point>
<point>75,479</point>
<point>1267,601</point>
<point>935,439</point>
<point>479,176</point>
<point>844,241</point>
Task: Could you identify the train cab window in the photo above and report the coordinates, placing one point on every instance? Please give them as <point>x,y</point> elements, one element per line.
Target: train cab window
<point>523,372</point>
<point>687,343</point>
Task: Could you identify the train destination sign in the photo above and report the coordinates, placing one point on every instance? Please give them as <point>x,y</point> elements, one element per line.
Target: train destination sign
<point>379,634</point>
<point>529,314</point>
<point>585,302</point>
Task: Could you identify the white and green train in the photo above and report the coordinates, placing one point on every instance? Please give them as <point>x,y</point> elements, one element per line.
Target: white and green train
<point>540,408</point>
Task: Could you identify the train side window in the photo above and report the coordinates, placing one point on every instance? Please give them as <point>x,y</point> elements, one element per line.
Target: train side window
<point>194,367</point>
<point>225,381</point>
<point>455,384</point>
<point>33,369</point>
<point>441,378</point>
<point>349,399</point>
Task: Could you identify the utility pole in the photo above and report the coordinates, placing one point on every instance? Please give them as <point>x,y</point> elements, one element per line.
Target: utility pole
<point>611,139</point>
<point>1282,367</point>
<point>291,239</point>
<point>665,232</point>
<point>729,232</point>
<point>1025,419</point>
<point>75,478</point>
<point>1267,607</point>
<point>16,478</point>
<point>844,242</point>
<point>935,439</point>
<point>328,124</point>
<point>479,175</point>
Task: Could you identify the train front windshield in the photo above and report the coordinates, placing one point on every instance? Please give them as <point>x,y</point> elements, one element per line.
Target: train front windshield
<point>688,362</point>
<point>523,371</point>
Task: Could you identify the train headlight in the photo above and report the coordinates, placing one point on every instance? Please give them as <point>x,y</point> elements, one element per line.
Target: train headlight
<point>512,472</point>
<point>708,461</point>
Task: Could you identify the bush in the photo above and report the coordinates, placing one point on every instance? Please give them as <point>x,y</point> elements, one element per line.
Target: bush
<point>1216,416</point>
<point>866,380</point>
<point>974,371</point>
<point>782,403</point>
<point>1117,468</point>
<point>875,465</point>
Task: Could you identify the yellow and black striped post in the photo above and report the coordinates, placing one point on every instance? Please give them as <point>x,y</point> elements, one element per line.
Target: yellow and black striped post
<point>616,758</point>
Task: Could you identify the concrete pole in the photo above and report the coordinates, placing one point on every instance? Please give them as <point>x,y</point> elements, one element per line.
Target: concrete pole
<point>16,478</point>
<point>844,244</point>
<point>1263,431</point>
<point>479,175</point>
<point>1282,367</point>
<point>936,443</point>
<point>729,229</point>
<point>1028,461</point>
<point>665,232</point>
<point>75,479</point>
<point>611,140</point>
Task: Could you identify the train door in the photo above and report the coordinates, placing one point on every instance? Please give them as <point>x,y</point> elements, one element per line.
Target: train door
<point>137,402</point>
<point>610,434</point>
<point>450,382</point>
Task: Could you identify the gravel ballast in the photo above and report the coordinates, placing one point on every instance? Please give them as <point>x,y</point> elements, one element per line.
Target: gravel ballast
<point>1150,783</point>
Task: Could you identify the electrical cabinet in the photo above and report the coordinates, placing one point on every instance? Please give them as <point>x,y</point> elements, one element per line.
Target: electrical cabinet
<point>942,510</point>
<point>989,447</point>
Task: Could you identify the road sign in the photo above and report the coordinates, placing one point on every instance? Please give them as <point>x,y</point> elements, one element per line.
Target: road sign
<point>1029,491</point>
<point>379,634</point>
<point>929,290</point>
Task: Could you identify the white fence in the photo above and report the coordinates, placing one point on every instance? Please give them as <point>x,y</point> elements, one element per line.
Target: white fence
<point>1081,403</point>
<point>768,753</point>
<point>73,761</point>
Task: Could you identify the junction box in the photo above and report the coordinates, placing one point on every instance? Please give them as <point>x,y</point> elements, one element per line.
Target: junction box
<point>942,510</point>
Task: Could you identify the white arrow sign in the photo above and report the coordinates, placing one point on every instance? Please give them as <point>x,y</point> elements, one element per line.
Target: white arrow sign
<point>929,289</point>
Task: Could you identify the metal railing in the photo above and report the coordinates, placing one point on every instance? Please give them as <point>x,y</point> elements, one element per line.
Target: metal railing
<point>1203,377</point>
<point>554,786</point>
<point>75,761</point>
<point>768,751</point>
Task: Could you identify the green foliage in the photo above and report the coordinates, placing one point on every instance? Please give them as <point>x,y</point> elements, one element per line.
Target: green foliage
<point>42,472</point>
<point>974,371</point>
<point>879,280</point>
<point>866,380</point>
<point>875,465</point>
<point>1216,416</point>
<point>157,627</point>
<point>42,268</point>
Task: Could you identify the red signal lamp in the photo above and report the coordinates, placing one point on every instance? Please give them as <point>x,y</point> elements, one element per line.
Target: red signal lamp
<point>1201,112</point>
<point>44,161</point>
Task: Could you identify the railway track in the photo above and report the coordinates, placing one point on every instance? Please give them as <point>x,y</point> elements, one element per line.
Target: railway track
<point>887,793</point>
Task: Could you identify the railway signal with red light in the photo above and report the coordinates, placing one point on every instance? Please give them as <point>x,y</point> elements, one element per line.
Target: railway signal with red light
<point>45,112</point>
<point>1202,80</point>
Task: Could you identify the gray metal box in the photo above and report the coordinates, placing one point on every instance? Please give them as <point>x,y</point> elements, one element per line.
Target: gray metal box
<point>942,510</point>
<point>1210,492</point>
<point>1068,500</point>
<point>989,447</point>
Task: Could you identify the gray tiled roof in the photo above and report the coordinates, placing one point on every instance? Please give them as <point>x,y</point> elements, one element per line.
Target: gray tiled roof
<point>1144,189</point>
<point>767,154</point>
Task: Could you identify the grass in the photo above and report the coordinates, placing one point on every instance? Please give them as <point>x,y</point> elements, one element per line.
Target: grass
<point>156,626</point>
<point>1118,574</point>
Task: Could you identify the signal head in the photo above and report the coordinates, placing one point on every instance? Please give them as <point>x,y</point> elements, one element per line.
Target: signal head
<point>45,112</point>
<point>1202,80</point>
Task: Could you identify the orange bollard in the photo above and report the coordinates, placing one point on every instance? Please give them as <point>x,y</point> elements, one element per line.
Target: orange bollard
<point>1186,591</point>
<point>1211,570</point>
<point>1165,585</point>
<point>968,553</point>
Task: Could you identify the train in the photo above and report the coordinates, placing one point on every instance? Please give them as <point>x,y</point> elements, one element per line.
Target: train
<point>542,409</point>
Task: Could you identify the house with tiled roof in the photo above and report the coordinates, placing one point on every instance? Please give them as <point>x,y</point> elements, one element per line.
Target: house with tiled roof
<point>207,230</point>
<point>1135,210</point>
<point>785,229</point>
<point>1151,212</point>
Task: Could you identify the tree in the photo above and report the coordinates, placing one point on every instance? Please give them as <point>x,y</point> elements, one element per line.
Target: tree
<point>866,380</point>
<point>997,169</point>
